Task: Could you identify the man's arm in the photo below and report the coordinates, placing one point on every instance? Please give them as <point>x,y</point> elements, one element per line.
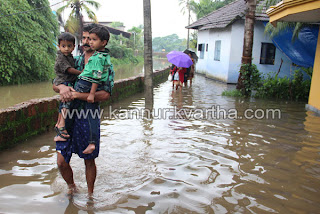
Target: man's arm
<point>64,91</point>
<point>68,93</point>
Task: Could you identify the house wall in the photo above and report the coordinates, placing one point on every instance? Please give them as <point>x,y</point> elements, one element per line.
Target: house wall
<point>208,66</point>
<point>216,69</point>
<point>227,69</point>
<point>237,33</point>
<point>286,69</point>
<point>201,66</point>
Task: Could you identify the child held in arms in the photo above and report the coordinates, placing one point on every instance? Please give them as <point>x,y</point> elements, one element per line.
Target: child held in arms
<point>65,74</point>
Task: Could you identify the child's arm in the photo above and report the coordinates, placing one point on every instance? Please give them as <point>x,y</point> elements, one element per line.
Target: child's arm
<point>73,71</point>
<point>93,90</point>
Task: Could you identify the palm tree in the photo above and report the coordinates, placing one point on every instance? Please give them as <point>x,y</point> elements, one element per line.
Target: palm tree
<point>77,9</point>
<point>186,6</point>
<point>282,26</point>
<point>247,42</point>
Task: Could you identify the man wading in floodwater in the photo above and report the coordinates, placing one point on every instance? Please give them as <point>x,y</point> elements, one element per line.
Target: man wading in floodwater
<point>78,127</point>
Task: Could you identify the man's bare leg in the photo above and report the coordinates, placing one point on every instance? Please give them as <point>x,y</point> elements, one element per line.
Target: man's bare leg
<point>91,173</point>
<point>66,173</point>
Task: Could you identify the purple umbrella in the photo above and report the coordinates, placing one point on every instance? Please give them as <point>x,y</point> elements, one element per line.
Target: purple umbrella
<point>179,59</point>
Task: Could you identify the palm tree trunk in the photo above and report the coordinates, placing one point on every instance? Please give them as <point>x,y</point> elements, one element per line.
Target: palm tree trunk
<point>80,19</point>
<point>248,41</point>
<point>148,67</point>
<point>188,38</point>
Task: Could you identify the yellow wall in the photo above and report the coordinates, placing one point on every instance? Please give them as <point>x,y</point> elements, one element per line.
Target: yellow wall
<point>314,96</point>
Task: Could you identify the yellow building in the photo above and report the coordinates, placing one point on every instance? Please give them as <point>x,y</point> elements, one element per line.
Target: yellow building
<point>302,11</point>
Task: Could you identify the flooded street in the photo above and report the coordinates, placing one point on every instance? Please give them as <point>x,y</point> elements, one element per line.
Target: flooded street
<point>179,160</point>
<point>14,94</point>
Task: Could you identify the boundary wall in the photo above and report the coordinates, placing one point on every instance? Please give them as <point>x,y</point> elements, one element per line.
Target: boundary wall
<point>33,117</point>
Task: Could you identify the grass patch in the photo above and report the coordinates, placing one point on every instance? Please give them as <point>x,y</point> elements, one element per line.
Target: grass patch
<point>232,93</point>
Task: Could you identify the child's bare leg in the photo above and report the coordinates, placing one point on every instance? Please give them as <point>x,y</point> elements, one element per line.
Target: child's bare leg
<point>91,147</point>
<point>58,121</point>
<point>60,124</point>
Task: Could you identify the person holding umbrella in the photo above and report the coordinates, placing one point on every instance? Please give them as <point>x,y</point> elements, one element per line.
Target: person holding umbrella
<point>190,70</point>
<point>182,61</point>
<point>178,77</point>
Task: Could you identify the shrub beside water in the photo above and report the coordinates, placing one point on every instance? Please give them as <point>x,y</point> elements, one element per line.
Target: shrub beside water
<point>274,87</point>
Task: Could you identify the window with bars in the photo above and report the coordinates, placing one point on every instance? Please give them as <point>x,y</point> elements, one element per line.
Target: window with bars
<point>217,50</point>
<point>268,53</point>
<point>201,49</point>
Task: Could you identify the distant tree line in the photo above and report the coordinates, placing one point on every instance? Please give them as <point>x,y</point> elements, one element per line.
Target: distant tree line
<point>168,43</point>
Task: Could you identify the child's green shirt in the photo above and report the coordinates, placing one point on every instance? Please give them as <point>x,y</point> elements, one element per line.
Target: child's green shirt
<point>96,70</point>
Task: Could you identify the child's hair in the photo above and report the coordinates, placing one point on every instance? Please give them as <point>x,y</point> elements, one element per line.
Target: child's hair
<point>90,26</point>
<point>102,32</point>
<point>66,37</point>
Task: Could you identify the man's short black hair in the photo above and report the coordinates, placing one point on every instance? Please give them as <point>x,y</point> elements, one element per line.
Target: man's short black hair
<point>90,26</point>
<point>66,37</point>
<point>102,32</point>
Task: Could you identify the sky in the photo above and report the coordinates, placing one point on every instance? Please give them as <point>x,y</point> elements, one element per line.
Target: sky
<point>167,17</point>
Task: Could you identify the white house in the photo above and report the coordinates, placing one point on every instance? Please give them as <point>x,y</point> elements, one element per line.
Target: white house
<point>220,44</point>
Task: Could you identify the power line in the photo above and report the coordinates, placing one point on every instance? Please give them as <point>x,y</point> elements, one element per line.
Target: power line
<point>39,8</point>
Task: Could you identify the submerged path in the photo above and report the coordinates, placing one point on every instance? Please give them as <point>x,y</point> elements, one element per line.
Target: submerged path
<point>182,161</point>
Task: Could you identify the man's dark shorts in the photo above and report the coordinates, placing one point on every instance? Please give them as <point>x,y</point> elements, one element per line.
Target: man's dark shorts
<point>79,129</point>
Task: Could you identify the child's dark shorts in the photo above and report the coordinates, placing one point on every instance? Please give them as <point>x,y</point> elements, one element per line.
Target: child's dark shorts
<point>85,86</point>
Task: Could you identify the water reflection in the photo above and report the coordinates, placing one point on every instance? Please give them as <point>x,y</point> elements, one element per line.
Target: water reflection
<point>182,164</point>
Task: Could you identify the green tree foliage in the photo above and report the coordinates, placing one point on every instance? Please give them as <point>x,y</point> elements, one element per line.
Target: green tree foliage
<point>169,43</point>
<point>136,40</point>
<point>204,7</point>
<point>124,50</point>
<point>116,24</point>
<point>281,26</point>
<point>26,41</point>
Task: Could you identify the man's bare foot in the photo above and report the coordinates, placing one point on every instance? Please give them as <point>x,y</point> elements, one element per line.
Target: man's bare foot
<point>91,147</point>
<point>72,188</point>
<point>90,202</point>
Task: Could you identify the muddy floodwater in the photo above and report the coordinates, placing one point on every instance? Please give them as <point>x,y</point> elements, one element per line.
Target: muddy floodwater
<point>179,159</point>
<point>14,94</point>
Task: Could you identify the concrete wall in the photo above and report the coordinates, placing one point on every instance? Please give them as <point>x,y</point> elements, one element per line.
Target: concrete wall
<point>36,116</point>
